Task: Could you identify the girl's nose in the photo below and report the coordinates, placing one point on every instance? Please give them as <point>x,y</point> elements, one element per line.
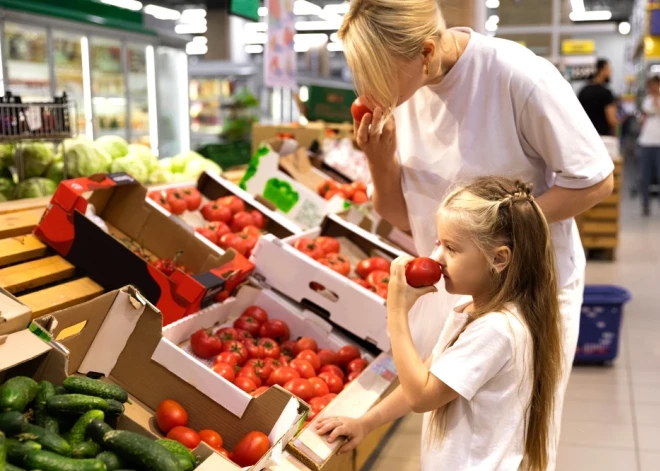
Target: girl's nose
<point>436,254</point>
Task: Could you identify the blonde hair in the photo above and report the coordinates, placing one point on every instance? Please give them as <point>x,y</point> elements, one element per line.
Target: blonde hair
<point>376,33</point>
<point>498,212</point>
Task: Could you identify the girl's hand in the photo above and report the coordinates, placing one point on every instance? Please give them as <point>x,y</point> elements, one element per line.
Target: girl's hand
<point>375,144</point>
<point>401,297</point>
<point>352,429</point>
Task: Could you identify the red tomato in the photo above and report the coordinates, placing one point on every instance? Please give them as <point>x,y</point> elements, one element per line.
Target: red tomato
<point>237,347</point>
<point>254,231</point>
<point>311,357</point>
<point>328,244</point>
<point>327,357</point>
<point>423,272</point>
<point>213,211</point>
<point>306,343</point>
<point>358,110</point>
<point>254,349</point>
<point>241,220</point>
<point>282,375</point>
<point>359,186</point>
<point>219,227</point>
<point>358,365</point>
<point>332,193</point>
<point>303,367</point>
<point>364,283</point>
<point>301,388</point>
<point>234,241</point>
<point>338,263</point>
<point>334,382</point>
<point>193,198</point>
<point>320,387</point>
<point>246,384</point>
<point>185,436</point>
<point>259,391</point>
<point>326,186</point>
<point>208,233</point>
<point>309,248</point>
<point>366,266</point>
<point>257,313</point>
<point>160,197</point>
<point>234,203</point>
<point>244,336</point>
<point>330,397</point>
<point>352,375</point>
<point>360,197</point>
<point>275,363</point>
<point>250,242</point>
<point>284,360</point>
<point>318,403</point>
<point>211,438</point>
<point>347,191</point>
<point>170,414</point>
<point>250,449</point>
<point>333,369</point>
<point>227,333</point>
<point>261,369</point>
<point>382,291</point>
<point>204,345</point>
<point>225,370</point>
<point>258,218</point>
<point>223,452</point>
<point>275,329</point>
<point>249,372</point>
<point>176,201</point>
<point>378,279</point>
<point>155,195</point>
<point>229,358</point>
<point>347,354</point>
<point>271,349</point>
<point>249,324</point>
<point>289,349</point>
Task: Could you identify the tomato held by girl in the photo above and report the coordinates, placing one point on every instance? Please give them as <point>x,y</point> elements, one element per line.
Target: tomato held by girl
<point>487,390</point>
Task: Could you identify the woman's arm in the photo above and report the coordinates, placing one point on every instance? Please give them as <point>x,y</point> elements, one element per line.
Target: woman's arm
<point>562,203</point>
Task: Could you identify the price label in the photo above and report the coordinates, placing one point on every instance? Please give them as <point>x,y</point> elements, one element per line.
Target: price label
<point>33,117</point>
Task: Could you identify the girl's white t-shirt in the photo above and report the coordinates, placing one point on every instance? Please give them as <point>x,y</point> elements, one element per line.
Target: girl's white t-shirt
<point>650,134</point>
<point>490,367</point>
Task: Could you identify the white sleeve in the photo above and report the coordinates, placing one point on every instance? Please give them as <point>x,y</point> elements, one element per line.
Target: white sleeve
<point>478,354</point>
<point>558,130</point>
<point>647,106</point>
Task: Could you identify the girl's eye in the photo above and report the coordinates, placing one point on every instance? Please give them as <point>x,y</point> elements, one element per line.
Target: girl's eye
<point>450,248</point>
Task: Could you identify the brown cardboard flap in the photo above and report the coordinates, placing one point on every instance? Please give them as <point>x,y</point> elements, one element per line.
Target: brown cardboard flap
<point>300,168</point>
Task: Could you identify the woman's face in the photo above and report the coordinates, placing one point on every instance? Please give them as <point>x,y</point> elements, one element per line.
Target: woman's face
<point>410,78</point>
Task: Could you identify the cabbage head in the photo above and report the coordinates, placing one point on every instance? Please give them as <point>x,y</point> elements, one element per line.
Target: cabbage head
<point>37,156</point>
<point>7,187</point>
<point>131,165</point>
<point>115,146</point>
<point>85,158</point>
<point>35,187</point>
<point>6,155</point>
<point>144,155</point>
<point>195,168</point>
<point>181,161</point>
<point>55,172</point>
<point>165,164</point>
<point>160,176</point>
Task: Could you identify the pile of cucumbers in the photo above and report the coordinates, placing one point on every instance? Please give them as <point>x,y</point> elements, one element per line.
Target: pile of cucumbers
<point>67,428</point>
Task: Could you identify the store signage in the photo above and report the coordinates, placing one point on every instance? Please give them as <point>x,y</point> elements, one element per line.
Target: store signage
<point>330,104</point>
<point>280,56</point>
<point>245,8</point>
<point>652,47</point>
<point>578,46</point>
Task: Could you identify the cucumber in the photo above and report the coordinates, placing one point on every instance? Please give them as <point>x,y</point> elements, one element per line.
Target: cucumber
<point>17,451</point>
<point>47,461</point>
<point>12,423</point>
<point>81,403</point>
<point>3,451</point>
<point>78,432</point>
<point>88,449</point>
<point>11,467</point>
<point>41,417</point>
<point>16,393</point>
<point>112,461</point>
<point>141,451</point>
<point>181,452</point>
<point>94,387</point>
<point>48,440</point>
<point>60,390</point>
<point>97,429</point>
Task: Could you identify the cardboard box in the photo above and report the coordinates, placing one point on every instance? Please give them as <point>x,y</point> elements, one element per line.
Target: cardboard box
<point>333,296</point>
<point>116,335</point>
<point>306,134</point>
<point>110,258</point>
<point>366,217</point>
<point>14,315</point>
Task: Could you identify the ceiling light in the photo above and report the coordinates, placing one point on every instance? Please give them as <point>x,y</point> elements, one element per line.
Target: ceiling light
<point>338,8</point>
<point>200,39</point>
<point>193,15</point>
<point>162,13</point>
<point>301,47</point>
<point>492,4</point>
<point>595,15</point>
<point>624,27</point>
<point>317,25</point>
<point>257,38</point>
<point>190,29</point>
<point>335,47</point>
<point>126,4</point>
<point>255,28</point>
<point>577,6</point>
<point>491,27</point>
<point>334,37</point>
<point>494,19</point>
<point>254,49</point>
<point>313,39</point>
<point>195,48</point>
<point>263,11</point>
<point>303,94</point>
<point>305,8</point>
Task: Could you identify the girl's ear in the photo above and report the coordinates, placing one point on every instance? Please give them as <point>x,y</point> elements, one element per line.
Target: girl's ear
<point>501,258</point>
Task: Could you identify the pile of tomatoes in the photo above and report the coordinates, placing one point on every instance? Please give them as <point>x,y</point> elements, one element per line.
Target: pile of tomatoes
<point>178,200</point>
<point>257,352</point>
<point>172,420</point>
<point>372,273</point>
<point>354,192</point>
<point>231,224</point>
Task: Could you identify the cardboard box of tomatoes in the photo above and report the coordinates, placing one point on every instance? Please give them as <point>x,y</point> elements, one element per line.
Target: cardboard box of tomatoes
<point>341,273</point>
<point>14,315</point>
<point>224,214</point>
<point>125,240</point>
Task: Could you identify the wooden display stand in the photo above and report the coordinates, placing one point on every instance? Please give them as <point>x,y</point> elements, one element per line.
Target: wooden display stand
<point>599,226</point>
<point>28,269</point>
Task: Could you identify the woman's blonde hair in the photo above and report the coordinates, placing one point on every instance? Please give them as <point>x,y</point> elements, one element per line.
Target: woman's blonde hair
<point>496,212</point>
<point>376,33</point>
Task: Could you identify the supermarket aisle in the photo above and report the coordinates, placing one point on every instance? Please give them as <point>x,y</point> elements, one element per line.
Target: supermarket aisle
<point>612,415</point>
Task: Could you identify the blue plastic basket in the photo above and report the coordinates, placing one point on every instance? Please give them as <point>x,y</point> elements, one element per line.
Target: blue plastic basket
<point>600,323</point>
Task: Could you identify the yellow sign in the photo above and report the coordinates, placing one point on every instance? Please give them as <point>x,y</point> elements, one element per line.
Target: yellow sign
<point>578,46</point>
<point>651,47</point>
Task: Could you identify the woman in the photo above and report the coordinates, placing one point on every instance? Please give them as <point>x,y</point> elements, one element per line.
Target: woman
<point>649,142</point>
<point>453,105</point>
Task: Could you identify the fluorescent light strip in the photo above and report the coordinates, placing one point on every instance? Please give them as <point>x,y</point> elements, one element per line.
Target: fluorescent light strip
<point>338,8</point>
<point>301,47</point>
<point>254,49</point>
<point>493,4</point>
<point>595,15</point>
<point>317,25</point>
<point>312,39</point>
<point>577,6</point>
<point>2,78</point>
<point>263,11</point>
<point>87,88</point>
<point>257,38</point>
<point>335,47</point>
<point>194,48</point>
<point>162,13</point>
<point>184,100</point>
<point>193,15</point>
<point>250,28</point>
<point>190,29</point>
<point>151,99</point>
<point>133,5</point>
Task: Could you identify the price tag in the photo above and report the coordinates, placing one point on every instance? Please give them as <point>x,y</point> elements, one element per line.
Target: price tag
<point>33,117</point>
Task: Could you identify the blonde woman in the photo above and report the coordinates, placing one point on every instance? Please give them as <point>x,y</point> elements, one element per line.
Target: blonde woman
<point>450,105</point>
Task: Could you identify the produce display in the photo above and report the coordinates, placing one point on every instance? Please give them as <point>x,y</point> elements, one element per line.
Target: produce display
<point>355,192</point>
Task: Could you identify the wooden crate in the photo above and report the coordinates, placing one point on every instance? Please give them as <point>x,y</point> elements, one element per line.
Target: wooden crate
<point>599,226</point>
<point>38,277</point>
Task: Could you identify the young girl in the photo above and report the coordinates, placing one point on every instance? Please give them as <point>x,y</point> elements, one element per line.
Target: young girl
<point>487,391</point>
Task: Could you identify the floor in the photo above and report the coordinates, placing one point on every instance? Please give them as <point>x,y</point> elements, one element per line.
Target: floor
<point>611,418</point>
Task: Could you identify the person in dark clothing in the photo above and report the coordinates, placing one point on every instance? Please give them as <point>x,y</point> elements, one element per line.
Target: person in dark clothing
<point>599,102</point>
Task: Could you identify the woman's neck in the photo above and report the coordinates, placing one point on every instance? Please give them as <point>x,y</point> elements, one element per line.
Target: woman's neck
<point>449,50</point>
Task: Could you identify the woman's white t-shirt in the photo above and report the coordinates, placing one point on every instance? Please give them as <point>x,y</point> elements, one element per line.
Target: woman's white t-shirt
<point>650,134</point>
<point>490,367</point>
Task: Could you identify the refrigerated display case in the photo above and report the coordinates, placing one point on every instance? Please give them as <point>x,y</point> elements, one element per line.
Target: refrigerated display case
<point>27,61</point>
<point>68,68</point>
<point>108,88</point>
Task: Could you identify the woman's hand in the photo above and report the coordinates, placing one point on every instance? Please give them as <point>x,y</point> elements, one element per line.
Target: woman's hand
<point>401,297</point>
<point>353,429</point>
<point>375,144</point>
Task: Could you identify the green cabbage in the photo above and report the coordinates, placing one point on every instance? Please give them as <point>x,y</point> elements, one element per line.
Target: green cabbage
<point>115,146</point>
<point>165,164</point>
<point>144,155</point>
<point>181,161</point>
<point>7,187</point>
<point>37,156</point>
<point>159,176</point>
<point>195,168</point>
<point>35,187</point>
<point>85,158</point>
<point>6,155</point>
<point>131,165</point>
<point>55,172</point>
